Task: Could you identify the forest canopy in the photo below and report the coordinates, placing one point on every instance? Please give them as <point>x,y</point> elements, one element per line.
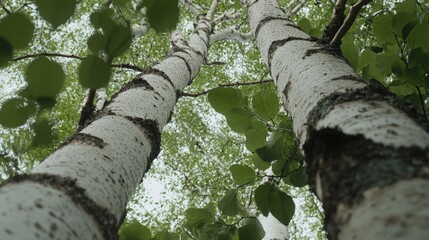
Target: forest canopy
<point>227,140</point>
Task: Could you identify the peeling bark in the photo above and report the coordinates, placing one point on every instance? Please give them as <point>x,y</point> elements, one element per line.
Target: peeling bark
<point>362,145</point>
<point>81,190</point>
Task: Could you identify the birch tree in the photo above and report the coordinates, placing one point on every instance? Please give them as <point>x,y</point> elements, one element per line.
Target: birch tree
<point>366,154</point>
<point>81,190</point>
<point>334,114</point>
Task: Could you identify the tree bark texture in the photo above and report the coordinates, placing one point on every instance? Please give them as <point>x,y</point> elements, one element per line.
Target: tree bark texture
<point>367,153</point>
<point>81,190</point>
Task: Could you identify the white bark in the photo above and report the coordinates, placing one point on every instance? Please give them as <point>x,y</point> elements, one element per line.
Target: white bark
<point>333,109</point>
<point>81,190</point>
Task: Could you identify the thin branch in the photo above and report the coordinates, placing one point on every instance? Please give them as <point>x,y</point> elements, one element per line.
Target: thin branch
<point>336,21</point>
<point>21,7</point>
<point>101,99</point>
<point>115,65</point>
<point>47,55</point>
<point>354,12</point>
<point>212,8</point>
<point>296,9</point>
<point>87,109</point>
<point>191,8</point>
<point>227,16</point>
<point>230,33</point>
<point>423,104</point>
<point>4,7</point>
<point>227,85</point>
<point>127,66</point>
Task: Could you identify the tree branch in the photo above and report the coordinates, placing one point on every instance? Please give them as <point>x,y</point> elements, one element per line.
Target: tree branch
<point>87,109</point>
<point>296,8</point>
<point>230,33</point>
<point>227,16</point>
<point>115,65</point>
<point>354,11</point>
<point>226,85</point>
<point>4,7</point>
<point>212,8</point>
<point>188,5</point>
<point>336,21</point>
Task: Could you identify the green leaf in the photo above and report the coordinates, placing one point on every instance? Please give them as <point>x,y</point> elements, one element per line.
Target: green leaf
<point>266,104</point>
<point>251,230</point>
<point>165,235</point>
<point>239,120</point>
<point>97,42</point>
<point>17,29</point>
<point>419,35</point>
<point>273,149</point>
<point>119,40</point>
<point>56,12</point>
<point>45,78</point>
<point>135,231</point>
<point>382,29</point>
<point>101,19</point>
<point>259,163</point>
<point>15,112</point>
<point>305,25</point>
<point>350,51</point>
<point>242,174</point>
<point>120,3</point>
<point>281,206</point>
<point>376,49</point>
<point>43,134</point>
<point>299,178</point>
<point>262,198</point>
<point>255,137</point>
<point>229,204</point>
<point>198,216</point>
<point>162,15</point>
<point>94,72</point>
<point>224,99</point>
<point>6,52</point>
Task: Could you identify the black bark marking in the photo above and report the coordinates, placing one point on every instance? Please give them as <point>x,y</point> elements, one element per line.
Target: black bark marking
<point>162,74</point>
<point>8,231</point>
<point>352,164</point>
<point>269,19</point>
<point>279,43</point>
<point>251,5</point>
<point>374,91</point>
<point>105,220</point>
<point>151,129</point>
<point>186,63</point>
<point>326,49</point>
<point>348,77</point>
<point>87,139</point>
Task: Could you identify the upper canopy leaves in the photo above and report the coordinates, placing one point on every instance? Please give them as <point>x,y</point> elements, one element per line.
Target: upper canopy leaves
<point>56,12</point>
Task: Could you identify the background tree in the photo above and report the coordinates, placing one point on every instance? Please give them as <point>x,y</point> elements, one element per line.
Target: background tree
<point>210,151</point>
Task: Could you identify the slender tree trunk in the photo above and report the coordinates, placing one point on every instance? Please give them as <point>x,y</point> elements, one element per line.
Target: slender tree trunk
<point>367,155</point>
<point>81,190</point>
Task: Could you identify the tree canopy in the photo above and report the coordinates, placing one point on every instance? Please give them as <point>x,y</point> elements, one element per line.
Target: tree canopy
<point>229,153</point>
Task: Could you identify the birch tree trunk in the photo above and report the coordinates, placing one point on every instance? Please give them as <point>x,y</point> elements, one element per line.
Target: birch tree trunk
<point>81,190</point>
<point>367,156</point>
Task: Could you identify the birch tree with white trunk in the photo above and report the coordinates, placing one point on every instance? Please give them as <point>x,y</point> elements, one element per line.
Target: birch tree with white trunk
<point>367,156</point>
<point>81,190</point>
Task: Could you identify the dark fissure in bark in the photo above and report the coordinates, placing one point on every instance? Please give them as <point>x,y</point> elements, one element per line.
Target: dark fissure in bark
<point>269,19</point>
<point>101,215</point>
<point>279,43</point>
<point>162,74</point>
<point>353,164</point>
<point>151,129</point>
<point>373,91</point>
<point>88,140</point>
